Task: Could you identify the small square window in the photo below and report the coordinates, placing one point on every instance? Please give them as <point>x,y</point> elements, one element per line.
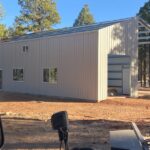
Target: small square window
<point>50,75</point>
<point>18,74</point>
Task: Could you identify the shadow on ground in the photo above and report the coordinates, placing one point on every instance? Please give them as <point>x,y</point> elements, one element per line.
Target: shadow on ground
<point>144,97</point>
<point>19,97</point>
<point>144,93</point>
<point>34,134</point>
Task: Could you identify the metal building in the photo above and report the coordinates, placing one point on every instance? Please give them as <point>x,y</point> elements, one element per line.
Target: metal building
<point>72,62</point>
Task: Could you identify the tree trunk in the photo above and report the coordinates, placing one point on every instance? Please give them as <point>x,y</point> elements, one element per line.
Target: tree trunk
<point>149,65</point>
<point>144,65</point>
<point>141,68</point>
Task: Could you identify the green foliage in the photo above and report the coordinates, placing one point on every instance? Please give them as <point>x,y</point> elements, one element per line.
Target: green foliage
<point>16,31</point>
<point>36,15</point>
<point>3,32</point>
<point>84,18</point>
<point>144,11</point>
<point>3,29</point>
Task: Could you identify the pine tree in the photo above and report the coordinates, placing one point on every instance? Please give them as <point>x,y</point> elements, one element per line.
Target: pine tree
<point>3,32</point>
<point>84,18</point>
<point>36,15</point>
<point>3,29</point>
<point>145,12</point>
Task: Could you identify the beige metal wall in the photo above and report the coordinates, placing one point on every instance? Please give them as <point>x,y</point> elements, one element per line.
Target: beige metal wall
<point>102,67</point>
<point>81,60</point>
<point>74,55</point>
<point>122,39</point>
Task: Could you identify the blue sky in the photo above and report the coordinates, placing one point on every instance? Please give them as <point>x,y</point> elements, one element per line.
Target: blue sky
<point>102,10</point>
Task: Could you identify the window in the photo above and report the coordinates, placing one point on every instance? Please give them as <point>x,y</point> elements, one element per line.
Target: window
<point>18,74</point>
<point>25,48</point>
<point>46,75</point>
<point>50,75</point>
<point>53,75</point>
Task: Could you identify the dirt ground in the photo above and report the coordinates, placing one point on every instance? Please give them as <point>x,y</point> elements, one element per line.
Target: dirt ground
<point>27,126</point>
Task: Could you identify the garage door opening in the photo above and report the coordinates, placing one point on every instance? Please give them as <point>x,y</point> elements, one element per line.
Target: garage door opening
<point>119,78</point>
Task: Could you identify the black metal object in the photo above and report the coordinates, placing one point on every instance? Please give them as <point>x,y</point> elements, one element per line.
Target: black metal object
<point>60,120</point>
<point>1,134</point>
<point>60,123</point>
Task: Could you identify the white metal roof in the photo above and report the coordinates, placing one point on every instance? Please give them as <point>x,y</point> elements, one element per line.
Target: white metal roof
<point>85,28</point>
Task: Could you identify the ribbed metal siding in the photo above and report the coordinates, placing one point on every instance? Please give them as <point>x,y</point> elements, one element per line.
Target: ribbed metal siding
<point>122,39</point>
<point>81,59</point>
<point>102,67</point>
<point>75,56</point>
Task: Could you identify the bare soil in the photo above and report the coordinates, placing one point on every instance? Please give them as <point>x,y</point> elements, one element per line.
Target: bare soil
<point>27,126</point>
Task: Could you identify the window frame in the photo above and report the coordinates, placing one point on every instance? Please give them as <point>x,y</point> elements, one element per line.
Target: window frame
<point>50,79</point>
<point>15,69</point>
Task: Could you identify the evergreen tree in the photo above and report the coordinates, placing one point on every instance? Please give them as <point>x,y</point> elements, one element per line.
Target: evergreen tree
<point>84,18</point>
<point>3,32</point>
<point>3,29</point>
<point>36,15</point>
<point>144,11</point>
<point>16,30</point>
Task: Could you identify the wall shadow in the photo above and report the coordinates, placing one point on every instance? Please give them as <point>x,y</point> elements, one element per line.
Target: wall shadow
<point>20,97</point>
<point>146,97</point>
<point>125,40</point>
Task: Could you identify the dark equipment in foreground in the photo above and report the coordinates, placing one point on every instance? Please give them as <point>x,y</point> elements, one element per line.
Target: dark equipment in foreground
<point>61,124</point>
<point>1,134</point>
<point>128,140</point>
